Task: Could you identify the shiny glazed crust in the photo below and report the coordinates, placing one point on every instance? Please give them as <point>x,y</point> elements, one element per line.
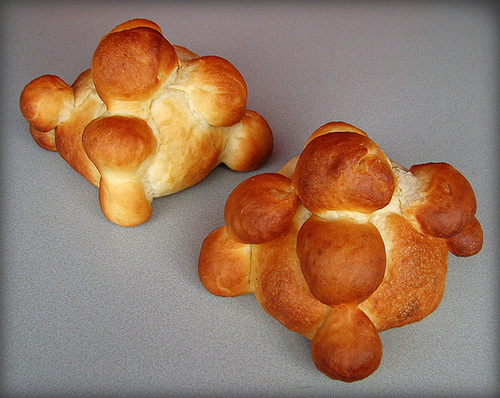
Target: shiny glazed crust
<point>342,244</point>
<point>343,171</point>
<point>186,113</point>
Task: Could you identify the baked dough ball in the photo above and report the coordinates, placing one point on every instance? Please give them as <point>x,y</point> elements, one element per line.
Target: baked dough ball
<point>341,244</point>
<point>148,119</point>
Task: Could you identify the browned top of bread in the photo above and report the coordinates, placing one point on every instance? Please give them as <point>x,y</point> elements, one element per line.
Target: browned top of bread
<point>343,171</point>
<point>118,143</point>
<point>132,64</point>
<point>261,208</point>
<point>342,260</point>
<point>135,23</point>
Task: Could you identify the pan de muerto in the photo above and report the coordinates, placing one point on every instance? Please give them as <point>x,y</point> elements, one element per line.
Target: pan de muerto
<point>148,119</point>
<point>342,244</point>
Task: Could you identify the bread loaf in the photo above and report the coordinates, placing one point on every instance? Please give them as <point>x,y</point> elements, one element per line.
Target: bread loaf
<point>342,244</point>
<point>147,119</point>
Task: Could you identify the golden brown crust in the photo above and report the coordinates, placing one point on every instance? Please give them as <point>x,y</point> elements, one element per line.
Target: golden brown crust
<point>334,127</point>
<point>68,134</point>
<point>467,242</point>
<point>124,202</point>
<point>249,143</point>
<point>280,287</point>
<point>44,101</point>
<point>356,259</point>
<point>118,143</point>
<point>448,203</point>
<point>415,275</point>
<point>118,146</point>
<point>346,347</point>
<point>135,23</point>
<point>216,89</point>
<point>46,139</point>
<point>194,107</point>
<point>224,264</point>
<point>343,171</point>
<point>132,64</point>
<point>261,208</point>
<point>188,150</point>
<point>343,261</point>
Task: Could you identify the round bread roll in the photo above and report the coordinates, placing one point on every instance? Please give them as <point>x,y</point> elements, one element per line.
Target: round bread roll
<point>45,102</point>
<point>252,222</point>
<point>118,143</point>
<point>343,261</point>
<point>357,245</point>
<point>132,64</point>
<point>186,113</point>
<point>343,171</point>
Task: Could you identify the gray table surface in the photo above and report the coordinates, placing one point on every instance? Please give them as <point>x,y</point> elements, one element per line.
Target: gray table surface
<point>92,308</point>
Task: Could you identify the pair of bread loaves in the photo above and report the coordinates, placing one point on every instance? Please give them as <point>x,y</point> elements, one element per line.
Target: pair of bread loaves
<point>339,245</point>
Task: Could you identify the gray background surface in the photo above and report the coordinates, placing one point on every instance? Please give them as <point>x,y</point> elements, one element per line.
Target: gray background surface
<point>92,308</point>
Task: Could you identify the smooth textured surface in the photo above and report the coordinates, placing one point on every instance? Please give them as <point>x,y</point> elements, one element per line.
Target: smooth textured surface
<point>92,308</point>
